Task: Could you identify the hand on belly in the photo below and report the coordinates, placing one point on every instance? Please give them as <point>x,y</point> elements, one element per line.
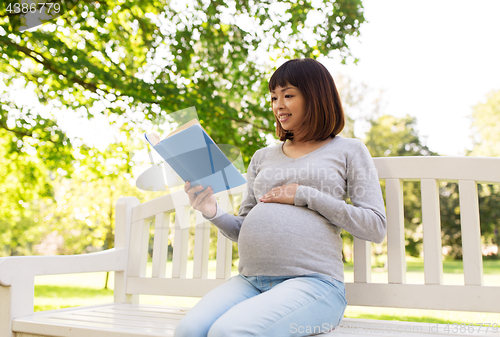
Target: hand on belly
<point>282,194</point>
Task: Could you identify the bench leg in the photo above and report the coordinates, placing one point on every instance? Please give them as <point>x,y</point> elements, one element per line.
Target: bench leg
<point>5,315</point>
<point>16,300</point>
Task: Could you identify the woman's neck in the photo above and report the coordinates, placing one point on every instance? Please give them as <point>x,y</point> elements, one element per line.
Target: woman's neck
<point>300,143</point>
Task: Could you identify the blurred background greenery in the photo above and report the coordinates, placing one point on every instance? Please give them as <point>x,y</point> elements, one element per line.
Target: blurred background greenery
<point>77,94</point>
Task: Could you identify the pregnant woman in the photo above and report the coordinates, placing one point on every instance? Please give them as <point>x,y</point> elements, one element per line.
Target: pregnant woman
<point>290,280</point>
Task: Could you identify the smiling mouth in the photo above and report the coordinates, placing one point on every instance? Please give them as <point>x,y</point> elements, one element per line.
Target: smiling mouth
<point>283,117</point>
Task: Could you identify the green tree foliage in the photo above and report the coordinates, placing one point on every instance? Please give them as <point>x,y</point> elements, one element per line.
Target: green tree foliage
<point>392,136</point>
<point>450,219</point>
<point>489,210</point>
<point>135,61</point>
<point>82,210</point>
<point>158,57</point>
<point>34,151</point>
<point>489,207</point>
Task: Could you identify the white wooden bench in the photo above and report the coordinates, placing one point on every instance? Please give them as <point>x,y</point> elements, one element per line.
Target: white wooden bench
<point>126,317</point>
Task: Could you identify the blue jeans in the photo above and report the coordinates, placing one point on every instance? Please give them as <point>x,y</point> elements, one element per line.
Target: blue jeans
<point>275,306</point>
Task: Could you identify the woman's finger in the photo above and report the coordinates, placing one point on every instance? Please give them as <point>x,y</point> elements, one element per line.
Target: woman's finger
<point>191,193</point>
<point>199,199</point>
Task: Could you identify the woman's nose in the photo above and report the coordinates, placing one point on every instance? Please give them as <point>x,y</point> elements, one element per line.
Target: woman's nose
<point>280,103</point>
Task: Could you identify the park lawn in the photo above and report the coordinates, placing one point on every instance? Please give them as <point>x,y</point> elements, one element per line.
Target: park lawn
<point>62,291</point>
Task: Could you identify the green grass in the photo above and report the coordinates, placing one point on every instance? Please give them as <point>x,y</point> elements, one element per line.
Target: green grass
<point>413,264</point>
<point>49,297</point>
<point>62,291</point>
<point>423,316</point>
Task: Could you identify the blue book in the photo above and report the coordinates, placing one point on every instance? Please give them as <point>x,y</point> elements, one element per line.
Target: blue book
<point>194,156</point>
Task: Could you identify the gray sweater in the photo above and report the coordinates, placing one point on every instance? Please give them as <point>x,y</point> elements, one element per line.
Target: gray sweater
<point>286,240</point>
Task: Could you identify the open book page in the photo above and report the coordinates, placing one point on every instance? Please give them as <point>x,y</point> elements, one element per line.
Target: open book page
<point>184,127</point>
<point>154,138</point>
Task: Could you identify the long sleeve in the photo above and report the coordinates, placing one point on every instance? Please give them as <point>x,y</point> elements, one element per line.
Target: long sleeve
<point>365,218</point>
<point>305,237</point>
<point>230,224</point>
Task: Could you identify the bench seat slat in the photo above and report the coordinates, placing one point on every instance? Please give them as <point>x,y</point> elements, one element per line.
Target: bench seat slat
<point>139,314</point>
<point>125,321</point>
<point>47,326</point>
<point>140,311</point>
<point>54,327</point>
<point>40,323</point>
<point>95,321</point>
<point>143,308</point>
<point>101,316</point>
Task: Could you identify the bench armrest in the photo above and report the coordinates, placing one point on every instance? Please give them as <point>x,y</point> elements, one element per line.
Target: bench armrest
<point>17,278</point>
<point>114,259</point>
<point>17,274</point>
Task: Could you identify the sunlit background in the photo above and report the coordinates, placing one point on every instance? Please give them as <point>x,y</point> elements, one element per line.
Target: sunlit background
<point>433,60</point>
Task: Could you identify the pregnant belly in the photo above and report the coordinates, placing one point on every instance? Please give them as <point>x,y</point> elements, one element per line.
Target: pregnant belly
<point>275,235</point>
<point>274,218</point>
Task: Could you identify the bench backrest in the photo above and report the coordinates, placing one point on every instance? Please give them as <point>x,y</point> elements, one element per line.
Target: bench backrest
<point>135,222</point>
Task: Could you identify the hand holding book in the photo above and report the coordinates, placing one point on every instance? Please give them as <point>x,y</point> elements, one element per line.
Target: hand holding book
<point>204,202</point>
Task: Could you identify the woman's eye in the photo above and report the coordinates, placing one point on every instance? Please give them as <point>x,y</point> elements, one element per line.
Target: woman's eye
<point>286,96</point>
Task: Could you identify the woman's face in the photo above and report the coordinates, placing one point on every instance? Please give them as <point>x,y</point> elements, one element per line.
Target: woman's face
<point>289,106</point>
